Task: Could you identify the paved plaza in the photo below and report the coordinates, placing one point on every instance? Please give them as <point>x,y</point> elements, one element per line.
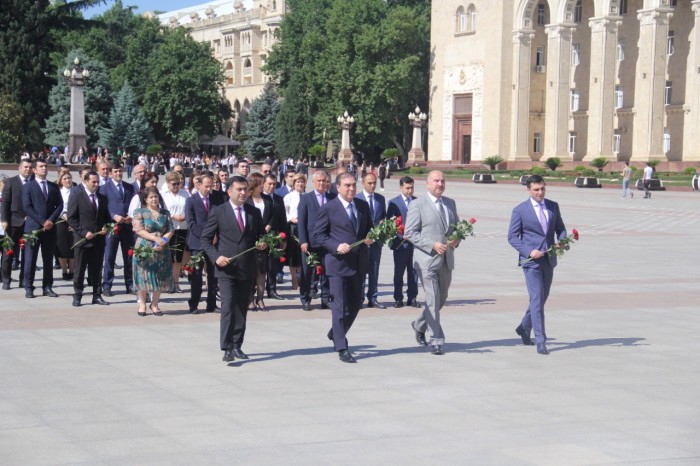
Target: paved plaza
<point>100,385</point>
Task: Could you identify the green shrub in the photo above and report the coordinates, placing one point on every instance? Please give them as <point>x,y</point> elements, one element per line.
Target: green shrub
<point>599,163</point>
<point>390,153</point>
<point>538,171</point>
<point>417,170</point>
<point>553,163</point>
<point>154,149</point>
<point>654,163</point>
<point>587,172</point>
<point>689,171</point>
<point>492,161</point>
<point>579,168</point>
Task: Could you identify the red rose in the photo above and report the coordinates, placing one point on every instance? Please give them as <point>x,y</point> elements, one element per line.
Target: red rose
<point>116,229</point>
<point>575,234</point>
<point>399,219</point>
<point>319,270</point>
<point>21,245</point>
<point>130,252</point>
<point>21,241</point>
<point>472,220</point>
<point>9,252</point>
<point>282,235</point>
<point>283,260</point>
<point>401,229</point>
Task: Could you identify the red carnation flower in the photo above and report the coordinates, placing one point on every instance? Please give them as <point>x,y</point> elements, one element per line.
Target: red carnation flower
<point>21,241</point>
<point>283,260</point>
<point>116,229</point>
<point>282,235</point>
<point>130,252</point>
<point>21,245</point>
<point>319,269</point>
<point>9,252</point>
<point>401,229</point>
<point>399,219</point>
<point>472,220</point>
<point>575,232</point>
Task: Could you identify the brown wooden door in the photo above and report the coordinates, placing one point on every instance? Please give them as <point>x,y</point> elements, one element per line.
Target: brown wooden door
<point>462,142</point>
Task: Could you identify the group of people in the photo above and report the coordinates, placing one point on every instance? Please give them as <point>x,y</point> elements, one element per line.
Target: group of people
<point>213,220</point>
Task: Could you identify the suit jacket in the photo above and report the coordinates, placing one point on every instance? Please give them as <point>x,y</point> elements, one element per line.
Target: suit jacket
<point>12,208</point>
<point>307,216</point>
<point>38,208</point>
<point>232,241</point>
<point>332,228</point>
<point>379,206</point>
<point>82,218</point>
<point>279,213</point>
<point>267,215</point>
<point>283,190</point>
<point>115,204</point>
<point>397,207</point>
<point>196,217</point>
<point>425,226</point>
<point>525,232</point>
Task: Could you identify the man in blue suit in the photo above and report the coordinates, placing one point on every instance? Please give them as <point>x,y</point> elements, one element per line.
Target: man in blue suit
<point>288,183</point>
<point>309,205</point>
<point>536,225</point>
<point>377,212</point>
<point>43,204</point>
<point>341,222</point>
<point>118,194</point>
<point>403,250</point>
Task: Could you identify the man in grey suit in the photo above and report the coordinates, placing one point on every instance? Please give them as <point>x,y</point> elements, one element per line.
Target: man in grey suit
<point>430,222</point>
<point>535,226</point>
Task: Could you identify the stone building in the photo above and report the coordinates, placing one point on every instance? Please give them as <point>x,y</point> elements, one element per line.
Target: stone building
<point>574,79</point>
<point>241,34</point>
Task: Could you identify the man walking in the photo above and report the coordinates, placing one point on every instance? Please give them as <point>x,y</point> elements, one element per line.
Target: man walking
<point>430,222</point>
<point>377,213</point>
<point>536,225</point>
<point>626,175</point>
<point>648,172</point>
<point>403,250</point>
<point>13,216</point>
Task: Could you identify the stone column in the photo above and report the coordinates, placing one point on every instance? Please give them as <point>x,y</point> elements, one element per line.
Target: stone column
<point>601,102</point>
<point>520,117</point>
<point>416,156</point>
<point>558,88</point>
<point>650,81</point>
<point>345,153</point>
<point>693,145</point>
<point>77,137</point>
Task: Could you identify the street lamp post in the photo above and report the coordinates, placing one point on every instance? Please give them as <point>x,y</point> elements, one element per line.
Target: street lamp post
<point>345,122</point>
<point>416,156</point>
<point>77,137</point>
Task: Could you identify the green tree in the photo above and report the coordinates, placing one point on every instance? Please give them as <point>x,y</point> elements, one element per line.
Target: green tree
<point>98,101</point>
<point>183,96</point>
<point>553,163</point>
<point>11,140</point>
<point>293,124</point>
<point>260,125</point>
<point>127,126</point>
<point>599,163</point>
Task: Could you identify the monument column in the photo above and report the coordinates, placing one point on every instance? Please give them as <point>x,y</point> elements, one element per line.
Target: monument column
<point>693,145</point>
<point>650,81</point>
<point>520,119</point>
<point>345,122</point>
<point>558,88</point>
<point>77,137</point>
<point>601,103</point>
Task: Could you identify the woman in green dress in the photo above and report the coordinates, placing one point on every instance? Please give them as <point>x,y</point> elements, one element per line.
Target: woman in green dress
<point>154,229</point>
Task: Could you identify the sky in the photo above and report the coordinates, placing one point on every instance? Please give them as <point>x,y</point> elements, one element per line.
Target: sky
<point>144,5</point>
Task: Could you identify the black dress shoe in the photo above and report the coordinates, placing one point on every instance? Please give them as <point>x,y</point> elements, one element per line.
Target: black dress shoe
<point>100,301</point>
<point>76,300</point>
<point>57,266</point>
<point>240,354</point>
<point>325,306</point>
<point>228,356</point>
<point>374,303</point>
<point>414,303</point>
<point>129,290</point>
<point>542,349</point>
<point>420,337</point>
<point>437,350</point>
<point>525,337</point>
<point>5,286</point>
<point>29,294</point>
<point>50,293</point>
<point>194,310</point>
<point>346,356</point>
<point>306,306</point>
<point>64,275</point>
<point>274,295</point>
<point>329,335</point>
<point>213,309</point>
<point>398,304</point>
<point>108,293</point>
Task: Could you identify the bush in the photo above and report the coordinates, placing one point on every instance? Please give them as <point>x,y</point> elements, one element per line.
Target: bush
<point>492,161</point>
<point>390,153</point>
<point>599,163</point>
<point>580,168</point>
<point>553,163</point>
<point>154,149</point>
<point>417,170</point>
<point>317,152</point>
<point>587,172</point>
<point>538,171</point>
<point>689,171</point>
<point>654,163</point>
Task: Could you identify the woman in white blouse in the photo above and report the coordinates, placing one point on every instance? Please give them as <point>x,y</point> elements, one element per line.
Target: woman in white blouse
<point>64,237</point>
<point>291,205</point>
<point>175,198</point>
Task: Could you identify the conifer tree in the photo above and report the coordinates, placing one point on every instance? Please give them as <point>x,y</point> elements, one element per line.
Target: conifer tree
<point>128,127</point>
<point>260,125</point>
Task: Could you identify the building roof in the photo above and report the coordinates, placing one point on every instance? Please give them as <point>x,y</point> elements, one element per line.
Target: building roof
<point>216,8</point>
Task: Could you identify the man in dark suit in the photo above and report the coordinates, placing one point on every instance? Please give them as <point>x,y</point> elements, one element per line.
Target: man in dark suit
<point>280,225</point>
<point>377,210</point>
<point>43,203</point>
<point>536,225</point>
<point>197,209</point>
<point>237,226</point>
<point>118,194</point>
<point>403,250</point>
<point>12,217</point>
<point>341,222</point>
<point>288,184</point>
<point>309,204</point>
<point>87,215</point>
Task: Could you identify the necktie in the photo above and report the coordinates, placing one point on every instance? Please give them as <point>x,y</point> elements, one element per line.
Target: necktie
<point>121,191</point>
<point>408,201</point>
<point>321,199</point>
<point>353,218</point>
<point>44,190</point>
<point>371,207</point>
<point>240,219</point>
<point>443,212</point>
<point>206,204</point>
<point>92,201</point>
<point>543,218</point>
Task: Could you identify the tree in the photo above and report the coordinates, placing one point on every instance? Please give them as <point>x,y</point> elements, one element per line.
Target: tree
<point>293,124</point>
<point>183,95</point>
<point>11,140</point>
<point>492,161</point>
<point>127,126</point>
<point>98,101</point>
<point>599,163</point>
<point>553,163</point>
<point>260,125</point>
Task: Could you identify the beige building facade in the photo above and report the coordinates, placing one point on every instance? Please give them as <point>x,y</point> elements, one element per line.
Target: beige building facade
<point>241,34</point>
<point>574,79</point>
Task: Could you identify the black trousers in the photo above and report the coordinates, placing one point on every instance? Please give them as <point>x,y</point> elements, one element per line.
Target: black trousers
<point>309,280</point>
<point>235,299</point>
<point>345,302</point>
<point>89,259</point>
<point>46,242</point>
<point>6,264</point>
<point>196,285</point>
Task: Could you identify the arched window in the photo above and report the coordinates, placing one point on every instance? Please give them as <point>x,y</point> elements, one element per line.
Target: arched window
<point>541,14</point>
<point>471,18</point>
<point>578,11</point>
<point>461,20</point>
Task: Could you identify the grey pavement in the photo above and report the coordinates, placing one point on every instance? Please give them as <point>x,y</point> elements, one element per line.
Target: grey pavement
<point>100,385</point>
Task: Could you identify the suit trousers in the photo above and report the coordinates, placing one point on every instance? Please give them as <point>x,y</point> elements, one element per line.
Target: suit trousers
<point>15,233</point>
<point>125,239</point>
<point>345,302</point>
<point>90,259</point>
<point>46,241</point>
<point>403,263</point>
<point>375,257</point>
<point>436,284</point>
<point>196,286</point>
<point>310,280</point>
<point>539,281</point>
<point>235,299</point>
